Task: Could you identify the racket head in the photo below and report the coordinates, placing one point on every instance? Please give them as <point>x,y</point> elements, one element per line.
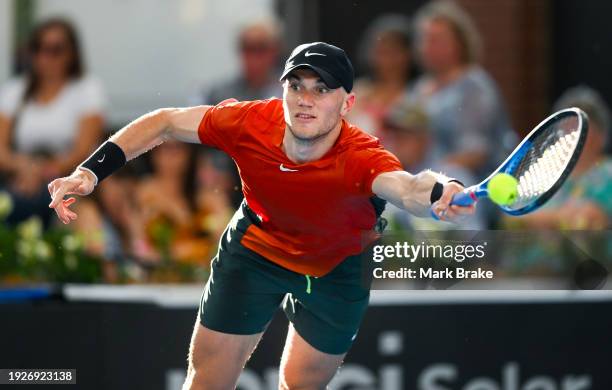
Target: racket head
<point>543,160</point>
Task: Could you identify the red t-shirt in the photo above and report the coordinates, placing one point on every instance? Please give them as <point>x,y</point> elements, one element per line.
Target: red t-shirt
<point>313,215</point>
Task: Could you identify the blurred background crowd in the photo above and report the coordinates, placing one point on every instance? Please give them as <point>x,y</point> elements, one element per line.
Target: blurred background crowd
<point>424,89</point>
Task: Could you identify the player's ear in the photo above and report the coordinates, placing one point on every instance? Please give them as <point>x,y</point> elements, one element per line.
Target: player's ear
<point>347,105</point>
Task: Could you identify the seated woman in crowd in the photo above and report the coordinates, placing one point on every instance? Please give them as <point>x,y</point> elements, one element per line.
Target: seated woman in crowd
<point>218,192</point>
<point>464,105</point>
<point>387,56</point>
<point>177,213</point>
<point>184,205</point>
<point>109,221</point>
<point>50,119</point>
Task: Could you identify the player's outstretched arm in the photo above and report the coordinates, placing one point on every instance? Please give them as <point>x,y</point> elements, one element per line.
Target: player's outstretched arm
<point>158,126</point>
<point>134,139</point>
<point>416,193</point>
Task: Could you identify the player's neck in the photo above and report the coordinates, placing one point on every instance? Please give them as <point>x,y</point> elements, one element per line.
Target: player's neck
<point>301,151</point>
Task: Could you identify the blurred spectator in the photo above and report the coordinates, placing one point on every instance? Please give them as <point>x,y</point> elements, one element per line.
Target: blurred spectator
<point>175,216</point>
<point>386,49</point>
<point>166,200</point>
<point>50,118</point>
<point>110,222</point>
<point>409,127</point>
<point>217,192</point>
<point>470,124</point>
<point>259,46</point>
<point>584,201</point>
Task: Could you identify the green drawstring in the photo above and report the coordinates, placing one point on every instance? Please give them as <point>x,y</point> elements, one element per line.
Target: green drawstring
<point>307,284</point>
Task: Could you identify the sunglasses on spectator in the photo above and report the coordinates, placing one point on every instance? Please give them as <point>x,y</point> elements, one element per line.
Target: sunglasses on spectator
<point>52,50</point>
<point>255,47</point>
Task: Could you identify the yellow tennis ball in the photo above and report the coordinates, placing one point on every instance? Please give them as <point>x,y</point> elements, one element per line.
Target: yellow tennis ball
<point>503,189</point>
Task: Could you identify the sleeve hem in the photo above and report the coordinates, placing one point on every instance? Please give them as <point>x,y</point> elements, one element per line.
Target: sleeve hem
<point>201,127</point>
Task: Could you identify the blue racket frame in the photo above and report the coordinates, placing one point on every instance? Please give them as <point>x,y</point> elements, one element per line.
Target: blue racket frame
<point>472,194</point>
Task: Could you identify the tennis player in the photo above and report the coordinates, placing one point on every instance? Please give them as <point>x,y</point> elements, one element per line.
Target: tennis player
<point>314,186</point>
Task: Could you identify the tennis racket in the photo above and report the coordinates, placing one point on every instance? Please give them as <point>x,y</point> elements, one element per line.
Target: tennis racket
<point>540,163</point>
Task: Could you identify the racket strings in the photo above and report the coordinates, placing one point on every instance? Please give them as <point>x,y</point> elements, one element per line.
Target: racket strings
<point>545,162</point>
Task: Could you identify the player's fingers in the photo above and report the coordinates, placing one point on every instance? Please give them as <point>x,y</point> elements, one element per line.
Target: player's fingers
<point>440,210</point>
<point>450,213</point>
<point>442,207</point>
<point>57,196</point>
<point>463,210</point>
<point>445,200</point>
<point>449,191</point>
<point>67,211</point>
<point>60,190</point>
<point>68,214</point>
<point>62,211</point>
<point>454,212</point>
<point>61,214</point>
<point>51,187</point>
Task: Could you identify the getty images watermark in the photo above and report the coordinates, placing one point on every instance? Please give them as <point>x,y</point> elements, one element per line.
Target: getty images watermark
<point>429,261</point>
<point>490,259</point>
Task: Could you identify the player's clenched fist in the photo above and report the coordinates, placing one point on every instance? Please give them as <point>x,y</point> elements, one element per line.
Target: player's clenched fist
<point>78,183</point>
<point>443,208</point>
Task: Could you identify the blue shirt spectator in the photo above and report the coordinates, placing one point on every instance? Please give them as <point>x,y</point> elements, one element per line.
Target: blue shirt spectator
<point>469,121</point>
<point>467,117</point>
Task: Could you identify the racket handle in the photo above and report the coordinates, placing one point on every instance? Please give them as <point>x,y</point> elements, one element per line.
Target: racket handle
<point>465,199</point>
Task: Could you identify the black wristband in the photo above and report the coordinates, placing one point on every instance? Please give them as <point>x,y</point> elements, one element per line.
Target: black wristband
<point>438,189</point>
<point>436,192</point>
<point>107,159</point>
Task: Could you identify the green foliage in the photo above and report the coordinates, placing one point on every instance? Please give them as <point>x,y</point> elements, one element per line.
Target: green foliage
<point>29,254</point>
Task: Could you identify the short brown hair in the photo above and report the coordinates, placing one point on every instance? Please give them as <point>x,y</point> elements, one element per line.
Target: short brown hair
<point>460,22</point>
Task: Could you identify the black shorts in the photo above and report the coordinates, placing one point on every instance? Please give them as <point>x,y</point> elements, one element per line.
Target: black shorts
<point>245,289</point>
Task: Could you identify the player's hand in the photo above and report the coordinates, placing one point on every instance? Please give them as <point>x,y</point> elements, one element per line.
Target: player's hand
<point>78,183</point>
<point>443,209</point>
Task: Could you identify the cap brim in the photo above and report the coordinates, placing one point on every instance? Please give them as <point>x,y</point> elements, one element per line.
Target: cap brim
<point>327,78</point>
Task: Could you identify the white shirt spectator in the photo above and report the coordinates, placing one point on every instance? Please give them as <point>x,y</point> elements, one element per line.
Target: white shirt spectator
<point>51,126</point>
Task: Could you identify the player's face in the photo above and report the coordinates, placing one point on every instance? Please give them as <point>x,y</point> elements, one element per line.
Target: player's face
<point>312,110</point>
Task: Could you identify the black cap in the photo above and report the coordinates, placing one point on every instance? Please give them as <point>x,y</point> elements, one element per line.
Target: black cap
<point>328,61</point>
